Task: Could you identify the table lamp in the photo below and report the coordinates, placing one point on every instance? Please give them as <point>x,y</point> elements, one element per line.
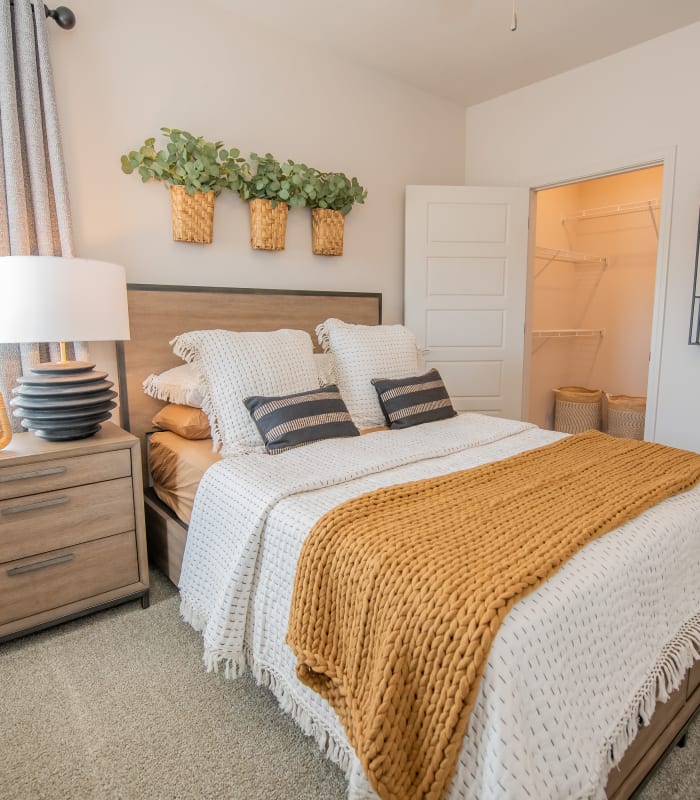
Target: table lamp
<point>58,299</point>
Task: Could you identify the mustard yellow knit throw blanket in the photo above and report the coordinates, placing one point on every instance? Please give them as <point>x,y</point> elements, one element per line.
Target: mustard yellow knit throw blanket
<point>400,592</point>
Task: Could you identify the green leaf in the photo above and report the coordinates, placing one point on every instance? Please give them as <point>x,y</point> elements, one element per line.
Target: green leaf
<point>197,163</point>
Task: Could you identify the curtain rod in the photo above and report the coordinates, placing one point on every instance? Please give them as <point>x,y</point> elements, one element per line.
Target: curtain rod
<point>62,16</point>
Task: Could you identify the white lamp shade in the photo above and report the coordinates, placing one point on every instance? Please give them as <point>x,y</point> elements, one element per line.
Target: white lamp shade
<point>57,299</point>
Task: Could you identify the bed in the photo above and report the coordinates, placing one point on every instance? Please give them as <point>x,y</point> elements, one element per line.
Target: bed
<point>252,628</point>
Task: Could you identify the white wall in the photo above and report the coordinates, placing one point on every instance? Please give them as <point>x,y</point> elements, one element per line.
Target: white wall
<point>553,295</point>
<point>129,68</point>
<point>620,297</point>
<point>614,111</point>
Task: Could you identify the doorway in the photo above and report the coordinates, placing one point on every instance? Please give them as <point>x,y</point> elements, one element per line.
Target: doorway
<point>592,287</point>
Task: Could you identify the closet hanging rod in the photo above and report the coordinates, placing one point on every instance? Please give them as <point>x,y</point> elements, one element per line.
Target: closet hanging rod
<point>62,16</point>
<point>609,211</point>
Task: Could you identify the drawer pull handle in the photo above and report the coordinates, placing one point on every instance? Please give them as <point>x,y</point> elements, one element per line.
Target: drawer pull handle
<point>38,473</point>
<point>40,564</point>
<point>54,501</point>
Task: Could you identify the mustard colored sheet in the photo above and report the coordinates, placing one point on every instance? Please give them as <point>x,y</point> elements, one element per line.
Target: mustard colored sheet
<point>177,466</point>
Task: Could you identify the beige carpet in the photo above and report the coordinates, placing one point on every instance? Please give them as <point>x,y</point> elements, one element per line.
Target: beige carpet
<point>118,705</point>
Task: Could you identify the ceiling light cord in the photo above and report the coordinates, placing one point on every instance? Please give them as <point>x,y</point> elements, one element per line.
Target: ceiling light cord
<point>514,21</point>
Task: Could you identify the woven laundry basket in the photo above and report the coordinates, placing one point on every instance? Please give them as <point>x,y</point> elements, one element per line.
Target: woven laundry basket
<point>576,409</point>
<point>193,215</point>
<point>626,415</point>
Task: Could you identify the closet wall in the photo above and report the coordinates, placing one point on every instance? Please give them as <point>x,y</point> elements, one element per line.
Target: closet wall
<point>591,321</point>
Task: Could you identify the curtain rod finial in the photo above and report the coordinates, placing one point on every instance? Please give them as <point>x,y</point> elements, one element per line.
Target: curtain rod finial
<point>63,17</point>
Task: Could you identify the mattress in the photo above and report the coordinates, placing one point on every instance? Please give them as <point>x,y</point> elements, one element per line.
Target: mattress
<point>177,466</point>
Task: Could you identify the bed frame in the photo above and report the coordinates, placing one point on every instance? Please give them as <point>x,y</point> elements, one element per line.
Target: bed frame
<point>158,313</point>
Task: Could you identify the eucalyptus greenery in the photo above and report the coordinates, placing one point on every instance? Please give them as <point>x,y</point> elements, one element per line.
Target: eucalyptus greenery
<point>189,161</point>
<point>275,181</point>
<point>333,190</point>
<point>198,164</point>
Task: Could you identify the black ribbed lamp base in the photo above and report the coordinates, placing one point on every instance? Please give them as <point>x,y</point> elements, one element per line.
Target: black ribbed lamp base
<point>62,401</point>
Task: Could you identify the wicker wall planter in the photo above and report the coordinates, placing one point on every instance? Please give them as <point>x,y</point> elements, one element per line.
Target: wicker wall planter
<point>268,225</point>
<point>576,409</point>
<point>327,227</point>
<point>626,415</point>
<point>193,215</point>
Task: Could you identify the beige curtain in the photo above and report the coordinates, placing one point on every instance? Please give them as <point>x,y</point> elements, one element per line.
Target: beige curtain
<point>34,209</point>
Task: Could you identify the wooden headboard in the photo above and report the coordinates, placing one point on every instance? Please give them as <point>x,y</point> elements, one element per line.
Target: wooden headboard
<point>159,313</point>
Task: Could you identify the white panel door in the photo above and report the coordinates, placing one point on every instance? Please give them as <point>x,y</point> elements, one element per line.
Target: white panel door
<point>465,286</point>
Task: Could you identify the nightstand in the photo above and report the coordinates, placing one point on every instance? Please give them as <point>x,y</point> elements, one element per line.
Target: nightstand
<point>72,531</point>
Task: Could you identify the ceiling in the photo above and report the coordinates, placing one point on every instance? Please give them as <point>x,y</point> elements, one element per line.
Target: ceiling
<point>464,50</point>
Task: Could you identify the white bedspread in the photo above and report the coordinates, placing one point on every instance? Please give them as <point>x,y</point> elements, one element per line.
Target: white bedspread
<point>574,665</point>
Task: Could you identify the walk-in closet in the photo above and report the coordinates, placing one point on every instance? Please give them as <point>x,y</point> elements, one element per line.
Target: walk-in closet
<point>592,288</point>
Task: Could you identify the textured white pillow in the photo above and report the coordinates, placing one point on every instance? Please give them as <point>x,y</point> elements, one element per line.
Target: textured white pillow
<point>237,365</point>
<point>180,385</point>
<point>363,352</point>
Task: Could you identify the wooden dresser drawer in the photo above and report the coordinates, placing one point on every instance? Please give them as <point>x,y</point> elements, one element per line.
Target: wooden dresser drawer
<point>50,580</point>
<point>43,476</point>
<point>48,521</point>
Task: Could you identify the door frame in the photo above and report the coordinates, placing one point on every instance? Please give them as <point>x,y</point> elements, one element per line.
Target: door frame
<point>666,158</point>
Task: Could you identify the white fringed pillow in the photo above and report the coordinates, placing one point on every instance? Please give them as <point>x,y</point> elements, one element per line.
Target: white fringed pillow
<point>181,385</point>
<point>364,352</point>
<point>237,365</point>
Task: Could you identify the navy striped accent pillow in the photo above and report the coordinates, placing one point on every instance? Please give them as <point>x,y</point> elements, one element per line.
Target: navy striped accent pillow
<point>301,418</point>
<point>413,401</point>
